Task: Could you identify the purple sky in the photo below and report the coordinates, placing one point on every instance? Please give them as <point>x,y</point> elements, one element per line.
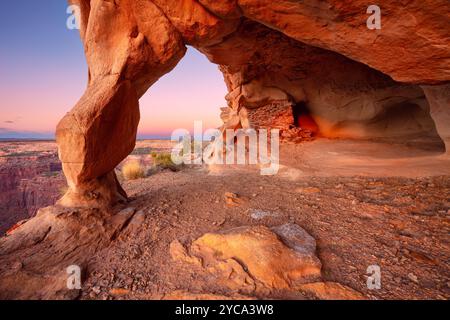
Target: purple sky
<point>43,74</point>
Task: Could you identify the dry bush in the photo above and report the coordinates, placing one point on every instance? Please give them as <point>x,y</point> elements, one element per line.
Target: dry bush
<point>133,170</point>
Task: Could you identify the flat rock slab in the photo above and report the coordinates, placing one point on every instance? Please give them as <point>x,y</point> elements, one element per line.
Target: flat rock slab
<point>278,258</point>
<point>35,256</point>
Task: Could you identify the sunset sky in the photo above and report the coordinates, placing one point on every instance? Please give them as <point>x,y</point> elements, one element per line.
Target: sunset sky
<point>43,73</point>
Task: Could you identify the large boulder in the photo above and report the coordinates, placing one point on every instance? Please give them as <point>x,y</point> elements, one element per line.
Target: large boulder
<point>257,259</point>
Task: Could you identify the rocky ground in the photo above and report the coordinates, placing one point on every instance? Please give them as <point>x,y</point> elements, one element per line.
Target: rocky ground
<point>27,166</point>
<point>400,222</point>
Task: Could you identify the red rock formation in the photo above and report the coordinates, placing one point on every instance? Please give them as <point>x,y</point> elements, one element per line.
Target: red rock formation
<point>410,47</point>
<point>317,52</point>
<point>345,98</point>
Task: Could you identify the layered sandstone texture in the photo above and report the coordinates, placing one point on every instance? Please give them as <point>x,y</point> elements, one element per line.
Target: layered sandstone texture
<point>257,259</point>
<point>305,67</point>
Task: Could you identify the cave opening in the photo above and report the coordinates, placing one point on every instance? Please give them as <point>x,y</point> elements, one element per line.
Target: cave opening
<point>303,118</point>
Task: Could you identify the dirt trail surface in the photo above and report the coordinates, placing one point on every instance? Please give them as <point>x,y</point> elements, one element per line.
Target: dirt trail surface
<point>377,216</point>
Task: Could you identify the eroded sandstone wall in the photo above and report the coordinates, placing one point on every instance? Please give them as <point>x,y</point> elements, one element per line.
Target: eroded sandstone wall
<point>270,71</point>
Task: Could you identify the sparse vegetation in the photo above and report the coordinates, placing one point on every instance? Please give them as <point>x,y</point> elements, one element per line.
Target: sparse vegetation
<point>141,151</point>
<point>164,161</point>
<point>22,154</point>
<point>50,174</point>
<point>133,170</point>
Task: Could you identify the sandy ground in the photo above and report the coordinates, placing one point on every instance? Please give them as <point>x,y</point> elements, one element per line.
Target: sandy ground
<point>365,204</point>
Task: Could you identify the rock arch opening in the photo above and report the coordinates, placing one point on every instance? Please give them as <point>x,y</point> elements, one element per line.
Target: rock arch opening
<point>193,91</point>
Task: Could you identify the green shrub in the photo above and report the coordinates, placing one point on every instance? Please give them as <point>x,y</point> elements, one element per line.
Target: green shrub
<point>164,161</point>
<point>22,154</point>
<point>141,151</point>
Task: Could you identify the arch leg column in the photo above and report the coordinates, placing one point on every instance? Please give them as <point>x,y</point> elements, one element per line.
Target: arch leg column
<point>93,138</point>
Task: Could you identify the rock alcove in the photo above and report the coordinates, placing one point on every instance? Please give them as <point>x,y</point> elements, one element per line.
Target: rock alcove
<point>275,56</point>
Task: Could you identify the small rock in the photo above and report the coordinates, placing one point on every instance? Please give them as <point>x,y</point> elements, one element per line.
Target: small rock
<point>366,216</point>
<point>119,292</point>
<point>17,266</point>
<point>230,195</point>
<point>233,200</point>
<point>296,238</point>
<point>104,296</point>
<point>413,278</point>
<point>261,214</point>
<point>409,233</point>
<point>136,253</point>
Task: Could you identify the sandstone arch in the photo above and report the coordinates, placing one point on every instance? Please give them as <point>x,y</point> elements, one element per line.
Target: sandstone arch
<point>278,53</point>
